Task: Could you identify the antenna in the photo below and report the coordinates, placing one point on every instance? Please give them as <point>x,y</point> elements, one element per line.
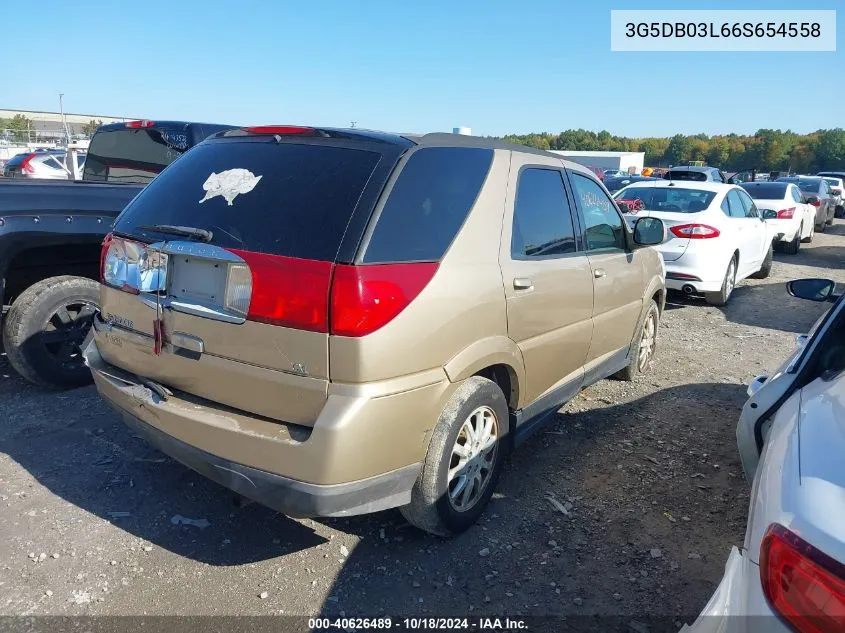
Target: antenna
<point>352,124</point>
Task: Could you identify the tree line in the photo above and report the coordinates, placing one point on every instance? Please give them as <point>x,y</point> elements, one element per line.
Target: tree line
<point>773,150</point>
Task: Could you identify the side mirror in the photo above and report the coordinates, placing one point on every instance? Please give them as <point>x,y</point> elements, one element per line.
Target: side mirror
<point>649,232</point>
<point>812,289</point>
<point>769,214</point>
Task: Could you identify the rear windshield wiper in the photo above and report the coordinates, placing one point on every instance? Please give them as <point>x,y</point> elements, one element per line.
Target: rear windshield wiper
<point>184,231</point>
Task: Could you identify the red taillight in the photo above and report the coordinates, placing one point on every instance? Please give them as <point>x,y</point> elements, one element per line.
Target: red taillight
<point>816,202</point>
<point>365,298</point>
<point>786,214</point>
<point>288,291</point>
<point>695,231</point>
<point>279,129</point>
<point>25,166</point>
<point>140,124</point>
<point>803,585</point>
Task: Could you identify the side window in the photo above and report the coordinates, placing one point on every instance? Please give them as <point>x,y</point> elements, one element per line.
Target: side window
<point>542,219</point>
<point>796,194</point>
<point>736,206</point>
<point>603,225</point>
<point>748,205</point>
<point>428,204</point>
<point>726,207</point>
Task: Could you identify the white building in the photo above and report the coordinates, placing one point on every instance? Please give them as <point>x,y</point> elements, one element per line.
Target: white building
<point>623,161</point>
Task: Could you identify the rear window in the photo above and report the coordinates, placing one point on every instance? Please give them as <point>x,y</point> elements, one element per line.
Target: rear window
<point>428,204</point>
<point>808,185</point>
<point>674,199</point>
<point>132,155</point>
<point>267,197</point>
<point>686,175</point>
<point>833,182</point>
<point>767,191</point>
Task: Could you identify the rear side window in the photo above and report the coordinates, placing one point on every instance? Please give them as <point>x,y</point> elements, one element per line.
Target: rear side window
<point>277,198</point>
<point>428,204</point>
<point>131,155</point>
<point>796,193</point>
<point>736,207</point>
<point>542,218</point>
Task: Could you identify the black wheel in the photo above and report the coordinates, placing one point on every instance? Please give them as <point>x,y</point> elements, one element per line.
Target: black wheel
<point>721,298</point>
<point>45,327</point>
<point>766,267</point>
<point>839,212</point>
<point>644,346</point>
<point>463,462</point>
<point>792,248</point>
<point>821,228</point>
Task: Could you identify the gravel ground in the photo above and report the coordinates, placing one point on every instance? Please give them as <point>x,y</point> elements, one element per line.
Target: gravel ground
<point>91,519</point>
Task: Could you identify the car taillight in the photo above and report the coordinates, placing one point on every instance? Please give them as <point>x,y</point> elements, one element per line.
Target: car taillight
<point>285,291</point>
<point>25,166</point>
<point>140,124</point>
<point>695,231</point>
<point>786,214</point>
<point>279,129</point>
<point>132,266</point>
<point>803,585</point>
<point>365,298</point>
<point>816,202</point>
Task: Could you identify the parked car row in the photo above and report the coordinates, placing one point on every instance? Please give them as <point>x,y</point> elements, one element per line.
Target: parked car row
<point>43,163</point>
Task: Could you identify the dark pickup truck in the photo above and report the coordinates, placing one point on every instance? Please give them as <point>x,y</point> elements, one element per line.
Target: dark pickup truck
<point>51,234</point>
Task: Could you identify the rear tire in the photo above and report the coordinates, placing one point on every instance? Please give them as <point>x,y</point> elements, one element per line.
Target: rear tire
<point>45,327</point>
<point>792,248</point>
<point>435,498</point>
<point>809,238</point>
<point>821,228</point>
<point>644,345</point>
<point>766,267</point>
<point>839,212</point>
<point>721,298</point>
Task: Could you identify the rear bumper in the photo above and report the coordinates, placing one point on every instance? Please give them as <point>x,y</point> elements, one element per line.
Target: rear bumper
<point>704,271</point>
<point>289,496</point>
<point>363,453</point>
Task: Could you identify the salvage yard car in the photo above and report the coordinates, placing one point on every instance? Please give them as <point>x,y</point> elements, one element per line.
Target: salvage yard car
<point>817,192</point>
<point>51,232</point>
<point>783,207</point>
<point>333,322</point>
<point>790,573</point>
<point>717,235</point>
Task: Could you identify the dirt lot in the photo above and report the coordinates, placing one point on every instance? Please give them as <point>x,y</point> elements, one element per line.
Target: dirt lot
<point>90,520</point>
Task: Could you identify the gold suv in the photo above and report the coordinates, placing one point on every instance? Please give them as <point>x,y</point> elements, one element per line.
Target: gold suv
<point>333,322</point>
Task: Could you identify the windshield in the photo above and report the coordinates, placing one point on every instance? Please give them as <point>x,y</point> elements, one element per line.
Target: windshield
<point>674,199</point>
<point>766,191</point>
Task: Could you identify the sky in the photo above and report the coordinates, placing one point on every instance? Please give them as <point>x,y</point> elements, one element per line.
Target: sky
<point>498,67</point>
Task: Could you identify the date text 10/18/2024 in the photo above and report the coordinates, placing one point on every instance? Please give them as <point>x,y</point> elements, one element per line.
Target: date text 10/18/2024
<point>418,624</point>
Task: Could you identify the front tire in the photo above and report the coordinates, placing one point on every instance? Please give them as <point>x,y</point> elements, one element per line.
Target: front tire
<point>463,461</point>
<point>45,327</point>
<point>721,298</point>
<point>766,267</point>
<point>644,347</point>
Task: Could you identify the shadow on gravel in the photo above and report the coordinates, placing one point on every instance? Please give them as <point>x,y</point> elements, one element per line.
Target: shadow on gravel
<point>74,445</point>
<point>640,504</point>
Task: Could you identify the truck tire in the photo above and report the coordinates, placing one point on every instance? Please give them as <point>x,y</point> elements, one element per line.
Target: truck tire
<point>45,327</point>
<point>643,348</point>
<point>435,498</point>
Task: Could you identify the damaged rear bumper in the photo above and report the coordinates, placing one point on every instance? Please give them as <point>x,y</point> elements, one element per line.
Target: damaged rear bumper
<point>145,408</point>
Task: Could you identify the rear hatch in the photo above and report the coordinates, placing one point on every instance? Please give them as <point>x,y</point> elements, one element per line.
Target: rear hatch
<point>242,293</point>
<point>677,206</point>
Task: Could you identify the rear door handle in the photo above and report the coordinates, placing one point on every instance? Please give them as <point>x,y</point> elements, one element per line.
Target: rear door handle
<point>598,273</point>
<point>523,283</point>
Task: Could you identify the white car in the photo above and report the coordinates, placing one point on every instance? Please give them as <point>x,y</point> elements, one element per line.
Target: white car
<point>717,236</point>
<point>837,188</point>
<point>782,206</point>
<point>790,573</point>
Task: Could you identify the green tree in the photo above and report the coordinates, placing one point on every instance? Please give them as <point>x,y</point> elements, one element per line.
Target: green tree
<point>830,153</point>
<point>89,128</point>
<point>17,128</point>
<point>678,149</point>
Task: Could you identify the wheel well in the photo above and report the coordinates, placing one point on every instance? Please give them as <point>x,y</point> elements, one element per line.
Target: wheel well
<point>736,257</point>
<point>505,377</point>
<point>32,265</point>
<point>658,299</point>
